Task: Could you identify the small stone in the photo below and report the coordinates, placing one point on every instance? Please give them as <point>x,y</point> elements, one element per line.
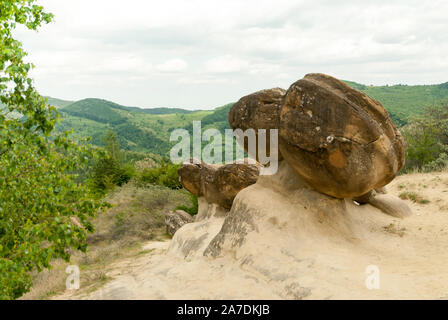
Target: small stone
<point>175,220</point>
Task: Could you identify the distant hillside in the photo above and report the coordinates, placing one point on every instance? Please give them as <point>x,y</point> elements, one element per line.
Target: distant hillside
<point>148,130</point>
<point>97,110</point>
<point>139,130</point>
<point>159,110</point>
<point>58,103</point>
<point>403,100</point>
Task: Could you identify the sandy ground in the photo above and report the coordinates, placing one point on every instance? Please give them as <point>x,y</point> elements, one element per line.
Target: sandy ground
<point>288,259</point>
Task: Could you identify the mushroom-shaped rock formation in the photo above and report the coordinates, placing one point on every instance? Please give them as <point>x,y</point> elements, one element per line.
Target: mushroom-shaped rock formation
<point>259,110</point>
<point>337,139</point>
<point>218,184</point>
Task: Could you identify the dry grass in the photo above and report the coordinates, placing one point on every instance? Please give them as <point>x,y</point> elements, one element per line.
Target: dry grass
<point>137,216</point>
<point>413,196</point>
<point>138,213</point>
<point>395,229</point>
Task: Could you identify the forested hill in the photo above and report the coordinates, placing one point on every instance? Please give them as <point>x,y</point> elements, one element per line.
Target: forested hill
<point>403,100</point>
<point>139,130</point>
<point>148,130</point>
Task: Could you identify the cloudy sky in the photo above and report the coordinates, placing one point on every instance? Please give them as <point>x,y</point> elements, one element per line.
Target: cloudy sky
<point>206,53</point>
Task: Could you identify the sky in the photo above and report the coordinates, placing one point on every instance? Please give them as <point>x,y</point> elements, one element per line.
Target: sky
<point>201,54</point>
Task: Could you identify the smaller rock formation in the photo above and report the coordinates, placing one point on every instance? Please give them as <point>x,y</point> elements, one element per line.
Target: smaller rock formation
<point>218,184</point>
<point>366,198</point>
<point>387,203</point>
<point>259,110</point>
<point>175,220</point>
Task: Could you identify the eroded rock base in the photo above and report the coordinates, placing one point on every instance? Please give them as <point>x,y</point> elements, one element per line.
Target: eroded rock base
<point>282,240</point>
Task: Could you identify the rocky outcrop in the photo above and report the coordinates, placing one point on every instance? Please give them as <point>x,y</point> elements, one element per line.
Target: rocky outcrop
<point>337,139</point>
<point>286,236</point>
<point>259,110</point>
<point>338,146</point>
<point>218,184</point>
<point>296,234</point>
<point>175,220</point>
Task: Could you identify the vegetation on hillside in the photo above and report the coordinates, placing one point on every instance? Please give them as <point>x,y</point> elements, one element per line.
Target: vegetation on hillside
<point>58,103</point>
<point>110,170</point>
<point>403,101</point>
<point>426,138</point>
<point>148,130</point>
<point>97,110</point>
<point>138,130</point>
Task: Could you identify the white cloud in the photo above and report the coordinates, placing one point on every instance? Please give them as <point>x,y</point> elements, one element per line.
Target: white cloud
<point>173,65</point>
<point>225,64</point>
<point>209,53</point>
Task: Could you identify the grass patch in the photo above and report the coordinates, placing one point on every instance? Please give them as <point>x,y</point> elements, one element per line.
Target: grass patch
<point>145,252</point>
<point>413,196</point>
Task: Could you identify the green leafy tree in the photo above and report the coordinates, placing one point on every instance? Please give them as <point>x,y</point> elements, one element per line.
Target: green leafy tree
<point>44,211</point>
<point>110,168</point>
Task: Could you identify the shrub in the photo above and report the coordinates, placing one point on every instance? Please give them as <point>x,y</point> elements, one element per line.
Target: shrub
<point>164,175</point>
<point>426,140</point>
<point>439,164</point>
<point>193,210</point>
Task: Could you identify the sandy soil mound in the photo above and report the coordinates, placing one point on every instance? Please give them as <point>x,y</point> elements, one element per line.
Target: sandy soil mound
<point>282,240</point>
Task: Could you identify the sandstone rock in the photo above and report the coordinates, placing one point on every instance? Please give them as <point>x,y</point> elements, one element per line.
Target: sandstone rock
<point>259,110</point>
<point>218,184</point>
<point>206,210</point>
<point>340,141</point>
<point>388,204</point>
<point>190,177</point>
<point>175,220</point>
<point>365,198</point>
<point>391,205</point>
<point>382,190</point>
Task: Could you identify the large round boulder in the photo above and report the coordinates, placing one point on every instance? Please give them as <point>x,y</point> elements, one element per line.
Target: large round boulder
<point>259,110</point>
<point>340,141</point>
